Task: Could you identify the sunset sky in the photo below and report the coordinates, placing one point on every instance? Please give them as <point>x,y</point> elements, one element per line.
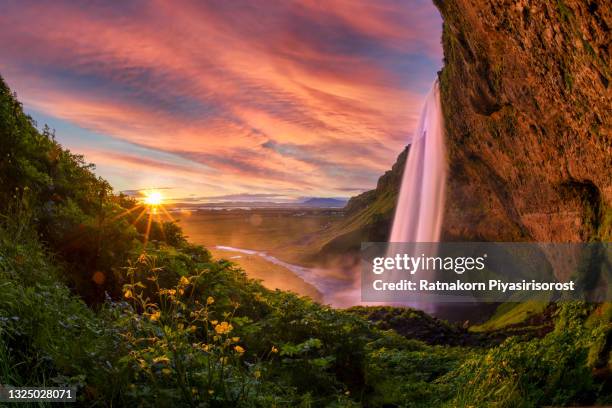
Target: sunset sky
<point>214,100</point>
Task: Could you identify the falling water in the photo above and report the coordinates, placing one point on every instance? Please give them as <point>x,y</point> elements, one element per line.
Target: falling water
<point>418,215</point>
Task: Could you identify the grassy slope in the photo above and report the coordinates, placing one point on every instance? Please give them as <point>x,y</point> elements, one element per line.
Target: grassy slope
<point>511,313</point>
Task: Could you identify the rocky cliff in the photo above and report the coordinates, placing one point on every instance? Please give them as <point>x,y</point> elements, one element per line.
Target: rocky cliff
<point>526,96</point>
<point>527,105</point>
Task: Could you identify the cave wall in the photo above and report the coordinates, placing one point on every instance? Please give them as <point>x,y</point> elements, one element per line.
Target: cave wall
<point>526,97</point>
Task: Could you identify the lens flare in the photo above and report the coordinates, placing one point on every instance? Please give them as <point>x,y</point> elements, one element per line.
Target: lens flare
<point>153,198</point>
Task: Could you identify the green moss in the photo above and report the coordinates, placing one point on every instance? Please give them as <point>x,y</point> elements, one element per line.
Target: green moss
<point>497,76</point>
<point>599,321</point>
<point>567,15</point>
<point>552,370</point>
<point>567,78</point>
<point>604,231</point>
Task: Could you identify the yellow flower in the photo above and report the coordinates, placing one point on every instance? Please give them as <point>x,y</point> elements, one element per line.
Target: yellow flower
<point>211,392</point>
<point>274,349</point>
<point>171,292</point>
<point>184,281</point>
<point>193,328</point>
<point>210,300</point>
<point>128,294</point>
<point>162,359</point>
<point>181,291</point>
<point>223,327</point>
<point>155,316</point>
<point>166,371</point>
<point>257,374</point>
<point>214,322</point>
<point>235,339</point>
<point>239,349</point>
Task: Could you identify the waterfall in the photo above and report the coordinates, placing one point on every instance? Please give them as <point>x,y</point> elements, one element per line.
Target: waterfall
<point>420,207</point>
<point>419,211</point>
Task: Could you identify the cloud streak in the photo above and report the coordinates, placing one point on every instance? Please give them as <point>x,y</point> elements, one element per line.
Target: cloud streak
<point>301,97</point>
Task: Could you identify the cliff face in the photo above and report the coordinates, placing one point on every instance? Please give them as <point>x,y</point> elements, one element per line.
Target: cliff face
<point>388,185</point>
<point>526,96</point>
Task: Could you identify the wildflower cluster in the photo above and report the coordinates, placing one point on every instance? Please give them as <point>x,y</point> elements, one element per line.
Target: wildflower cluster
<point>177,341</point>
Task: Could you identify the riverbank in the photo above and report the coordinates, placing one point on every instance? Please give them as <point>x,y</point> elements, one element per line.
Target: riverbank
<point>272,276</point>
<point>270,245</point>
<point>282,232</point>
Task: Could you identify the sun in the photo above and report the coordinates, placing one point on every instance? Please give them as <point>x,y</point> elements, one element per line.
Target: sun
<point>150,206</point>
<point>153,198</point>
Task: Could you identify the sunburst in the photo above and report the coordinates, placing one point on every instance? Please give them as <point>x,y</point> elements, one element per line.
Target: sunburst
<point>151,205</point>
<point>153,198</point>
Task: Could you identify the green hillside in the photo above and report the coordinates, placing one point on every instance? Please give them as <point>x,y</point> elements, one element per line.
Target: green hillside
<point>367,218</point>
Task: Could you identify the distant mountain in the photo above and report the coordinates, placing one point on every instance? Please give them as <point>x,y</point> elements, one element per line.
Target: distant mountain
<point>309,202</point>
<point>324,202</point>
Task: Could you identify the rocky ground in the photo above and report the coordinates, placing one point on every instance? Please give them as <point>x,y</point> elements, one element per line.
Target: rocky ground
<point>415,324</point>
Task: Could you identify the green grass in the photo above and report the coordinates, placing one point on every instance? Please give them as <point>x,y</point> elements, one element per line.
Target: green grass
<point>549,371</point>
<point>511,313</point>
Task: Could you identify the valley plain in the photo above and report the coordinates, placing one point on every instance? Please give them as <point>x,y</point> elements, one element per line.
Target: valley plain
<point>283,233</point>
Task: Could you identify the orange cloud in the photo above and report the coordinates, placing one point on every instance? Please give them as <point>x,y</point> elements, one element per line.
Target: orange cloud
<point>296,96</point>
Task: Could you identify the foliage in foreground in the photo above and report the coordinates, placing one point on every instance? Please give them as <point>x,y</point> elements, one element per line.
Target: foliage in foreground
<point>218,339</point>
<point>88,301</point>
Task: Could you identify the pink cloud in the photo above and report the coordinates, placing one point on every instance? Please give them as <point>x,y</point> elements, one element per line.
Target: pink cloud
<point>215,83</point>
